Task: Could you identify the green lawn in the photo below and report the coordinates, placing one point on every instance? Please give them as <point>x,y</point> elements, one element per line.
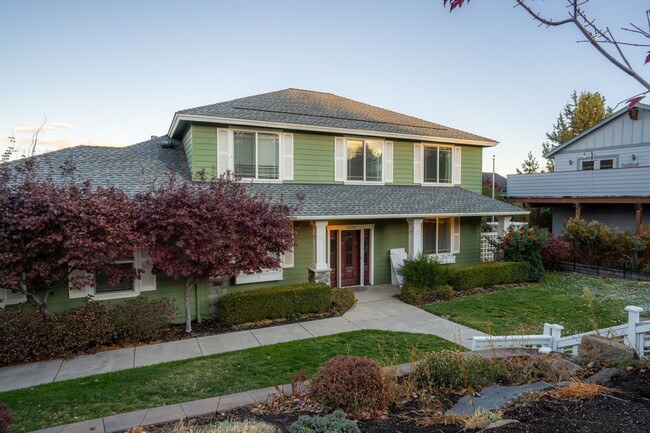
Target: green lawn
<point>174,382</point>
<point>558,298</point>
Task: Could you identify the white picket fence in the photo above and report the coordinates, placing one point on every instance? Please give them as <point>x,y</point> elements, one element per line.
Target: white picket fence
<point>634,333</point>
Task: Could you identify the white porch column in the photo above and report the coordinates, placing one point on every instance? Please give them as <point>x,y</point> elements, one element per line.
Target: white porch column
<point>504,223</point>
<point>319,243</point>
<point>415,236</point>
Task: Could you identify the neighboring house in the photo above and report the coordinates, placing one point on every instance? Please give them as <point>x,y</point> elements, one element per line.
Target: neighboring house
<point>371,180</point>
<point>500,182</point>
<point>601,174</point>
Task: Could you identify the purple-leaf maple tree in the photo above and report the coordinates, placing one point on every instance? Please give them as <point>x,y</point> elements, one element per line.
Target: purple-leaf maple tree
<point>601,38</point>
<point>212,228</point>
<point>48,230</point>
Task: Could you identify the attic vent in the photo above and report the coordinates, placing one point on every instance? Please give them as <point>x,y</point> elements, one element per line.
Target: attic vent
<point>167,144</point>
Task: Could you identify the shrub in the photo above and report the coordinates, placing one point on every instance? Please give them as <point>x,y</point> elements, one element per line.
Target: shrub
<point>25,334</point>
<point>232,427</point>
<point>141,319</point>
<point>525,245</point>
<point>423,272</point>
<point>5,419</point>
<point>81,329</point>
<point>455,370</point>
<point>332,423</point>
<point>273,303</point>
<point>418,295</point>
<point>555,250</point>
<point>488,274</point>
<point>342,299</point>
<point>353,384</point>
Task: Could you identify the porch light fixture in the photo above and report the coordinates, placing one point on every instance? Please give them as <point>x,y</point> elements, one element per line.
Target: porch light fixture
<point>633,157</point>
<point>570,162</point>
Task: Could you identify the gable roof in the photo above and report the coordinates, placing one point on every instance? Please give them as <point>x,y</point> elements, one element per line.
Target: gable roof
<point>316,111</point>
<point>330,201</point>
<point>131,168</point>
<point>588,131</point>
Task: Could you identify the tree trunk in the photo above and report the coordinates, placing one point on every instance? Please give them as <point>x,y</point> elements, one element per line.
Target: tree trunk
<point>186,300</point>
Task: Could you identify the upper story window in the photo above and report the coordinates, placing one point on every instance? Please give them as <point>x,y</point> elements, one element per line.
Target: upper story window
<point>587,165</point>
<point>257,155</point>
<point>365,160</point>
<point>606,163</point>
<point>438,164</point>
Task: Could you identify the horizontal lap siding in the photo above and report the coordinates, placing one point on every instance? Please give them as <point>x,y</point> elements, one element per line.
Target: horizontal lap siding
<point>313,158</point>
<point>402,163</point>
<point>204,149</point>
<point>302,261</point>
<point>471,168</point>
<point>470,241</point>
<point>388,235</point>
<point>187,146</point>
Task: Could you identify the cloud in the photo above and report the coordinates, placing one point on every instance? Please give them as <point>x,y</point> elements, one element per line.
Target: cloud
<point>53,126</point>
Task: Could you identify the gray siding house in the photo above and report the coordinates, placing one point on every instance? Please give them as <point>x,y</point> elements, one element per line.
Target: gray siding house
<point>601,174</point>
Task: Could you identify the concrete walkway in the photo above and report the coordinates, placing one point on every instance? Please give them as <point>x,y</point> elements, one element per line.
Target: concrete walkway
<point>376,308</point>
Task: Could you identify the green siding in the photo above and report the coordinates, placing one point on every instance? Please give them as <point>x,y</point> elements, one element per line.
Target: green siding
<point>402,163</point>
<point>204,149</point>
<point>389,234</point>
<point>187,146</point>
<point>166,287</point>
<point>313,158</point>
<point>472,168</point>
<point>470,241</point>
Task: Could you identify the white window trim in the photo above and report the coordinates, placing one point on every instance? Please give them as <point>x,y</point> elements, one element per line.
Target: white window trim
<point>383,162</point>
<point>123,294</point>
<point>8,298</point>
<point>438,146</point>
<point>281,154</point>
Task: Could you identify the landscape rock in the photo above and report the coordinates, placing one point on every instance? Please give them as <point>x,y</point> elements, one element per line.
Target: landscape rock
<point>493,398</point>
<point>553,368</point>
<point>605,376</point>
<point>500,423</point>
<point>595,348</point>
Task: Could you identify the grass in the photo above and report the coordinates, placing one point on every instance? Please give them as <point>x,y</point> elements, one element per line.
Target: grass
<point>558,298</point>
<point>125,391</point>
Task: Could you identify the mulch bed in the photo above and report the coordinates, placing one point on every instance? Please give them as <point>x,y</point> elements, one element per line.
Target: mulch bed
<point>625,411</point>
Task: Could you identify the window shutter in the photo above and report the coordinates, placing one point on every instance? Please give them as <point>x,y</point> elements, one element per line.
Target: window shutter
<point>287,156</point>
<point>224,155</point>
<point>84,291</point>
<point>9,298</point>
<point>287,259</point>
<point>455,241</point>
<point>147,279</point>
<point>417,162</point>
<point>457,167</point>
<point>388,161</point>
<point>339,159</point>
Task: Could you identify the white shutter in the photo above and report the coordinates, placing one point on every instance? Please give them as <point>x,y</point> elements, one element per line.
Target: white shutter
<point>84,291</point>
<point>287,156</point>
<point>147,281</point>
<point>9,298</point>
<point>417,162</point>
<point>457,167</point>
<point>287,259</point>
<point>455,241</point>
<point>388,161</point>
<point>339,159</point>
<point>223,154</point>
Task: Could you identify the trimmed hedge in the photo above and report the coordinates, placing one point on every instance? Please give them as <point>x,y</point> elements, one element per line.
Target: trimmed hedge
<point>488,274</point>
<point>273,303</point>
<point>418,295</point>
<point>342,299</point>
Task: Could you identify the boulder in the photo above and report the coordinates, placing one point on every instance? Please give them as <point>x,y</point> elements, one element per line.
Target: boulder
<point>500,423</point>
<point>594,348</point>
<point>552,368</point>
<point>605,376</point>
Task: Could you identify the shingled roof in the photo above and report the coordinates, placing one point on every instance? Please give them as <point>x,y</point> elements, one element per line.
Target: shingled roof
<point>381,201</point>
<point>295,108</point>
<point>131,168</point>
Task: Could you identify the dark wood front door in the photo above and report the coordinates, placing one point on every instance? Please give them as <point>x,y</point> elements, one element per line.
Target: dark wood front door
<point>350,258</point>
<point>334,262</point>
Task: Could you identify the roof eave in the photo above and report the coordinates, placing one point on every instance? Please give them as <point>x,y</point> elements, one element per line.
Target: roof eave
<point>178,118</point>
<point>400,216</point>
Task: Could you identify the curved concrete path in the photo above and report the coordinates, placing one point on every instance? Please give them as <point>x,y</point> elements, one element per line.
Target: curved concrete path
<point>376,308</point>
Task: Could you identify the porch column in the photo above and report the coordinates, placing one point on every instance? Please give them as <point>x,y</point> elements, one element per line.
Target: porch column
<point>527,216</point>
<point>639,212</point>
<point>319,271</point>
<point>578,207</point>
<point>415,236</point>
<point>503,223</point>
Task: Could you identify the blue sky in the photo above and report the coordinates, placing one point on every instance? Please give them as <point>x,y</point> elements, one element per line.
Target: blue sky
<point>113,73</point>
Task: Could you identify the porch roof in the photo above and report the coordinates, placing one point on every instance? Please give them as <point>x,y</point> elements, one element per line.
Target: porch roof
<point>317,201</point>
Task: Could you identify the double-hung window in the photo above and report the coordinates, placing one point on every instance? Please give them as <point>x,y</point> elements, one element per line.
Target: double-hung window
<point>365,160</point>
<point>441,236</point>
<point>257,155</point>
<point>438,164</point>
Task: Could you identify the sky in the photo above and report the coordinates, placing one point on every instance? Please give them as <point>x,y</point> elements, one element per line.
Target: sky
<point>113,73</point>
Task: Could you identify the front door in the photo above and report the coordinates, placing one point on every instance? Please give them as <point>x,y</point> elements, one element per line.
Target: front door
<point>350,258</point>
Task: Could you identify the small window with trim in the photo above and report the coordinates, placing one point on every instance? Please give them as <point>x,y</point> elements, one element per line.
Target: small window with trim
<point>606,164</point>
<point>587,165</point>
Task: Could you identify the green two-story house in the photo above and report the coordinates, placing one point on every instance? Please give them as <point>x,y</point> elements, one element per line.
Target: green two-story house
<point>366,181</point>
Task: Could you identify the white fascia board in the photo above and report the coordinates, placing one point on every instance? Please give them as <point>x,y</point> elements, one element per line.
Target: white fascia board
<point>401,216</point>
<point>338,131</point>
